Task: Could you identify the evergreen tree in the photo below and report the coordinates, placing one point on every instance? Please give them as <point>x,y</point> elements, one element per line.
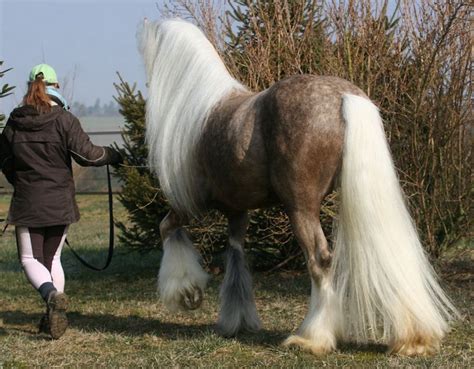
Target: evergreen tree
<point>141,194</point>
<point>79,109</point>
<point>6,88</point>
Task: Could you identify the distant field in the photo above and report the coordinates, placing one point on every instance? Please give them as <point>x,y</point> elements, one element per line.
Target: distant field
<point>102,123</point>
<point>97,125</point>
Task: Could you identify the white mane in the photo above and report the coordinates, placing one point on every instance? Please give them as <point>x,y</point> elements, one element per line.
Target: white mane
<point>186,79</point>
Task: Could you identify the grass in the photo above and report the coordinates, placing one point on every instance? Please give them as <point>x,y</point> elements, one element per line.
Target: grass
<point>116,319</point>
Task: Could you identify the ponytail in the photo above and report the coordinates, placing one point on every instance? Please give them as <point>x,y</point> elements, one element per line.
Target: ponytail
<point>37,96</point>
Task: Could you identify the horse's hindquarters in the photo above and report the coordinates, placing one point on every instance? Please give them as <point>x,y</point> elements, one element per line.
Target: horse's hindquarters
<point>304,137</point>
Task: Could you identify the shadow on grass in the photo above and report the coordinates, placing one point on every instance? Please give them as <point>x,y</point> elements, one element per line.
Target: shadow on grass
<point>356,348</point>
<point>135,326</point>
<point>10,266</point>
<point>284,284</point>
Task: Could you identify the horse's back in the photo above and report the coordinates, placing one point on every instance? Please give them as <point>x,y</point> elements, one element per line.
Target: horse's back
<point>304,105</point>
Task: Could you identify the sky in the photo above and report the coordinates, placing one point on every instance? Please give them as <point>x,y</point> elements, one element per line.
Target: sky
<point>85,41</point>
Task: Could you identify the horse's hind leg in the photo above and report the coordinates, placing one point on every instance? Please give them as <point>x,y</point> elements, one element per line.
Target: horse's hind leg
<point>181,279</point>
<point>237,311</point>
<point>317,334</point>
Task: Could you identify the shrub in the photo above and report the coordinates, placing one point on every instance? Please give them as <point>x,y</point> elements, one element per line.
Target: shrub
<point>413,63</point>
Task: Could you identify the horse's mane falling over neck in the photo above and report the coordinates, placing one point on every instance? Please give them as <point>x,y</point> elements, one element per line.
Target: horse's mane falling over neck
<point>186,80</point>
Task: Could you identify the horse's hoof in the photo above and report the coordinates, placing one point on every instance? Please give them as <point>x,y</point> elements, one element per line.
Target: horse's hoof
<point>313,347</point>
<point>225,332</point>
<point>417,346</point>
<point>191,298</point>
<point>230,330</point>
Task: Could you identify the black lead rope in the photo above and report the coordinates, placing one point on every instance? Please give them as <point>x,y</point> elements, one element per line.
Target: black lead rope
<point>111,233</point>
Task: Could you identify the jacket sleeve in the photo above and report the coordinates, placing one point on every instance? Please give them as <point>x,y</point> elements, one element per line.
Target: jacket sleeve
<point>84,152</point>
<point>6,154</point>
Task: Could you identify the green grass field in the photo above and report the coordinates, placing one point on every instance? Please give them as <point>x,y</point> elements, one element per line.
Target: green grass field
<point>116,319</point>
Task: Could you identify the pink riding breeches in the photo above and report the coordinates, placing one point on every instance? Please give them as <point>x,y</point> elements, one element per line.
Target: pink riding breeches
<point>39,250</point>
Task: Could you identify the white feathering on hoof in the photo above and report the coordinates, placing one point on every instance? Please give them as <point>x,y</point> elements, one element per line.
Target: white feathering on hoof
<point>322,324</point>
<point>181,278</point>
<point>382,276</point>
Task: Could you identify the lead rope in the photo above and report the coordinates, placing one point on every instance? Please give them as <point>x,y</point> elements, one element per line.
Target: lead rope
<point>111,233</point>
<point>6,225</point>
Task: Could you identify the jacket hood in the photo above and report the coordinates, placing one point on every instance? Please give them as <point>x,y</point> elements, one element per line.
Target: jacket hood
<point>27,118</point>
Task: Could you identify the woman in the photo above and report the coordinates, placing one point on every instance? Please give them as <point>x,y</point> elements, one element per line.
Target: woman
<point>36,147</point>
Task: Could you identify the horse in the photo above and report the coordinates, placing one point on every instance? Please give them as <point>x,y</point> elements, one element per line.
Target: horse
<point>214,144</point>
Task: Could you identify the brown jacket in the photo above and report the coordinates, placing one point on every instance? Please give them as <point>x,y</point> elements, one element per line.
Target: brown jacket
<point>35,156</point>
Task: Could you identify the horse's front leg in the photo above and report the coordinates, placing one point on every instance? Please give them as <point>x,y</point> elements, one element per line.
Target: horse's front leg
<point>181,279</point>
<point>237,311</point>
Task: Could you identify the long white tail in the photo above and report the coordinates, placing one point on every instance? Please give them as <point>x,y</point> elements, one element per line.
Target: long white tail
<point>381,274</point>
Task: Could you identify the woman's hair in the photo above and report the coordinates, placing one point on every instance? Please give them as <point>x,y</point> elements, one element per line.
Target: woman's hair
<point>37,96</point>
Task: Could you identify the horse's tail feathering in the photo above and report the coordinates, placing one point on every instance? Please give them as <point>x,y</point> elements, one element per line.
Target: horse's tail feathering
<point>381,274</point>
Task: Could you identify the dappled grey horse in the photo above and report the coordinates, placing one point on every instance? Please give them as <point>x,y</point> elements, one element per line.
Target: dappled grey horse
<point>216,145</point>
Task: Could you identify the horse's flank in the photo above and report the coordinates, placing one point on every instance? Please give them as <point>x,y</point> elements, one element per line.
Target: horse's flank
<point>248,139</point>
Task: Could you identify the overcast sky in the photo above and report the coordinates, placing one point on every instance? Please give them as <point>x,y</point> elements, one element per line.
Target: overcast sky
<point>85,41</point>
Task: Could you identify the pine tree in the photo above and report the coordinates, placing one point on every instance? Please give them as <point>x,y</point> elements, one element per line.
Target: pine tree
<point>140,194</point>
<point>6,88</point>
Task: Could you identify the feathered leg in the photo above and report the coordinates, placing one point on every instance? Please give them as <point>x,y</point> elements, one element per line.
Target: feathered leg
<point>238,311</point>
<point>181,279</point>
